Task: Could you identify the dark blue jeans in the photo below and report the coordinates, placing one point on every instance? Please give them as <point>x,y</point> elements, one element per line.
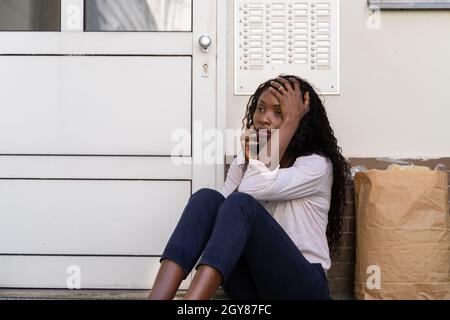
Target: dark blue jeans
<point>239,238</point>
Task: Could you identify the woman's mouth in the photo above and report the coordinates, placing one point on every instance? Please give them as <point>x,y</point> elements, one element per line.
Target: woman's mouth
<point>264,133</point>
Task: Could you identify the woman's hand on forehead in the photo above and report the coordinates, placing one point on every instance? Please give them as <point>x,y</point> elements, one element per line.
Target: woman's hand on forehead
<point>288,93</point>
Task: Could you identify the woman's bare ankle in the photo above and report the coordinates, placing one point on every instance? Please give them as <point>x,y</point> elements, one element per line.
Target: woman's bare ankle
<point>167,281</point>
<point>205,283</point>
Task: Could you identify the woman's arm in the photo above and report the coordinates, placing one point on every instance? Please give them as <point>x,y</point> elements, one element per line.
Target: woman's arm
<point>234,175</point>
<point>303,179</point>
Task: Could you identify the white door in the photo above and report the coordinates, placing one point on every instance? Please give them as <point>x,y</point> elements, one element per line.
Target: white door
<point>91,97</point>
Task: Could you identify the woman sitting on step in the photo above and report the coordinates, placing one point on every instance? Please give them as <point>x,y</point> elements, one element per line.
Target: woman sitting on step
<point>273,238</point>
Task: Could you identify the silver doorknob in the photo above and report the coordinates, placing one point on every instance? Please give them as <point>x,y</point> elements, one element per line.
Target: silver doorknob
<point>205,42</point>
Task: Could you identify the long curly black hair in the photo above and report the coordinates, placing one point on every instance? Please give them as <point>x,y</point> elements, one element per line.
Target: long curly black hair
<point>314,135</point>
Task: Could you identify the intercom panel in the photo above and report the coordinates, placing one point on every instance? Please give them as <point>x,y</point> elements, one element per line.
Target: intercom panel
<point>286,37</point>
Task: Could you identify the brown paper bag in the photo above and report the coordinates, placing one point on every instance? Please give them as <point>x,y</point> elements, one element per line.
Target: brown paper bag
<point>402,234</point>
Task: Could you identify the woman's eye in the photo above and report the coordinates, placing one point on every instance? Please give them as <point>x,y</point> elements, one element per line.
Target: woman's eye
<point>260,108</point>
<point>278,113</point>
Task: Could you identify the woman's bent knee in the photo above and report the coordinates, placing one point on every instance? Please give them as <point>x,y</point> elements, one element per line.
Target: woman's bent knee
<point>240,198</point>
<point>208,194</point>
<point>241,203</point>
<point>209,200</point>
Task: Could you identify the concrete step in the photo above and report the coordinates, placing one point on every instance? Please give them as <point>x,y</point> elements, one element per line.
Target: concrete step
<point>86,294</point>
